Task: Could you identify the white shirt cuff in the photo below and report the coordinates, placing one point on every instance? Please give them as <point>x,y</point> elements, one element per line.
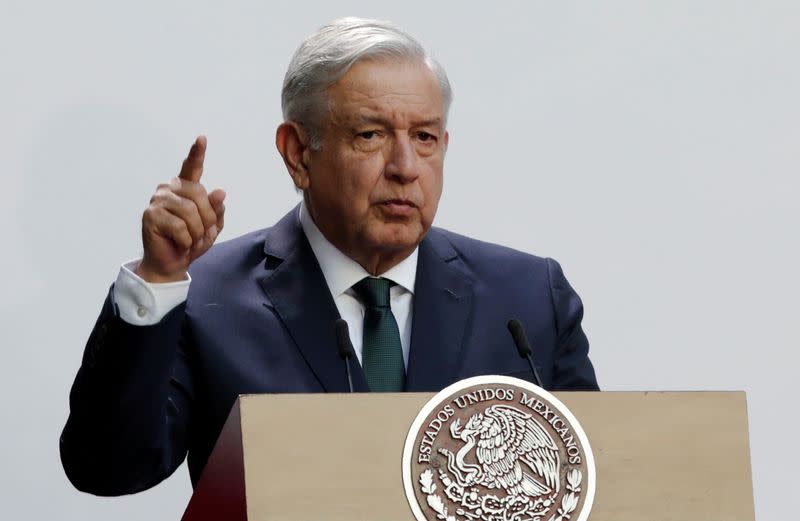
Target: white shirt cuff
<point>141,303</point>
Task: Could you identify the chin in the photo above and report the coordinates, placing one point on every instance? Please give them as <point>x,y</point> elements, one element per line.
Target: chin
<point>398,237</point>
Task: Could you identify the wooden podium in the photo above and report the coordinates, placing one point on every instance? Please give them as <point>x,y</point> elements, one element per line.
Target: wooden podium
<point>659,455</point>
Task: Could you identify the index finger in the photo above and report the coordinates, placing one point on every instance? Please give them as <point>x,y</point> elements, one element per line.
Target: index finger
<point>192,168</point>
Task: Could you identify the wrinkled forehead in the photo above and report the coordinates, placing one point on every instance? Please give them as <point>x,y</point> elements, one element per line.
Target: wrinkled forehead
<point>375,90</point>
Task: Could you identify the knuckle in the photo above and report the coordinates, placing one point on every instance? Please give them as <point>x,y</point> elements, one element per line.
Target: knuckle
<point>179,228</point>
<point>187,210</point>
<point>161,190</point>
<point>195,227</point>
<point>175,226</point>
<point>149,214</point>
<point>187,204</point>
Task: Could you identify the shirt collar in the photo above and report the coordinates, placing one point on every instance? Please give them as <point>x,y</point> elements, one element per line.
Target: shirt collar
<point>341,272</point>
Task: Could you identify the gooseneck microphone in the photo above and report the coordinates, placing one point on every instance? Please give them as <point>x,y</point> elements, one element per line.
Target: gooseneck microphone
<point>523,347</point>
<point>345,347</point>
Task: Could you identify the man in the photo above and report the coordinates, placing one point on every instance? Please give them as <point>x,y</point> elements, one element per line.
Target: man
<point>364,140</point>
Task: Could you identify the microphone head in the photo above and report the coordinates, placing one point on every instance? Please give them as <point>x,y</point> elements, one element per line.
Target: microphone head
<point>343,339</point>
<point>520,340</point>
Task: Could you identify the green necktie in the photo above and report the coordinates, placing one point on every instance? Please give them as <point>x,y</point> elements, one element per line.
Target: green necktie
<point>382,353</point>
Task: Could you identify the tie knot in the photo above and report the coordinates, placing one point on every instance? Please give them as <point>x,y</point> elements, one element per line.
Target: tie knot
<point>374,293</point>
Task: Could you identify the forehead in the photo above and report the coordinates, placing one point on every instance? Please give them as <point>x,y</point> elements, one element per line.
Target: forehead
<point>399,91</point>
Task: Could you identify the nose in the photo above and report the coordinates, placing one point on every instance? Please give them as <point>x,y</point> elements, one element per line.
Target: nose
<point>401,160</point>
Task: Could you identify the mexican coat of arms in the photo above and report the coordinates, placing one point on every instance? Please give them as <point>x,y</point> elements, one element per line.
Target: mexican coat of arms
<point>494,448</point>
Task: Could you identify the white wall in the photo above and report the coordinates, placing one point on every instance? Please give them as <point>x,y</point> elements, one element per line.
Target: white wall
<point>652,147</point>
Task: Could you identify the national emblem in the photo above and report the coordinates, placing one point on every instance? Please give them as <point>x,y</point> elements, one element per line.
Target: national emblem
<point>518,455</point>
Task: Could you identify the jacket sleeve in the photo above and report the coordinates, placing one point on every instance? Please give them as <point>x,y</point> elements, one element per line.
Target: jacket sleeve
<point>129,406</point>
<point>573,370</point>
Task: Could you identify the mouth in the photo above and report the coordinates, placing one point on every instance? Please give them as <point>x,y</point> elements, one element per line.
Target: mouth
<point>398,207</point>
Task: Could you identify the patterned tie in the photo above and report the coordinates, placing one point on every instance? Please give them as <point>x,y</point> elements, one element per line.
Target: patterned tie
<point>382,353</point>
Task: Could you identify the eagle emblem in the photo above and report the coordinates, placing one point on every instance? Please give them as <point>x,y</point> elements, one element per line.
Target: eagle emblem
<point>494,448</point>
<point>512,453</point>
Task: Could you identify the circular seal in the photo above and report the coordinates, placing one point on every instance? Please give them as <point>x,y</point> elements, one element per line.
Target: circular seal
<point>495,448</point>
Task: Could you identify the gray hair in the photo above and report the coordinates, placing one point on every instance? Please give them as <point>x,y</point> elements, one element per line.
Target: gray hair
<point>325,56</point>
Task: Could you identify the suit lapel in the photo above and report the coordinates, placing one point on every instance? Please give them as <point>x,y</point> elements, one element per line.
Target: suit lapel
<point>442,304</point>
<point>299,295</point>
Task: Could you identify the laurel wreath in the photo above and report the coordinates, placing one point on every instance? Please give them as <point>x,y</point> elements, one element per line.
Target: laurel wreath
<point>434,501</point>
<point>569,502</point>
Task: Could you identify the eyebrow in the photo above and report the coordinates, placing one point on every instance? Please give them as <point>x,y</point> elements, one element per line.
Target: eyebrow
<point>377,120</point>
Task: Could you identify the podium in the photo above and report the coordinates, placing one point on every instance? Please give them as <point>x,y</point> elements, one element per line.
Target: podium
<point>659,456</point>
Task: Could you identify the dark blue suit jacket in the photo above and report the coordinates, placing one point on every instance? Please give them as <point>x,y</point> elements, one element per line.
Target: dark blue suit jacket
<point>260,319</point>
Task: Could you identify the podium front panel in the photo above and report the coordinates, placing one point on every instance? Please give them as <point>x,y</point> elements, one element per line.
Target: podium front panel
<point>659,455</point>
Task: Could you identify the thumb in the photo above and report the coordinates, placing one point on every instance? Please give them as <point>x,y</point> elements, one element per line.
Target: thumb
<point>216,197</point>
<point>217,200</point>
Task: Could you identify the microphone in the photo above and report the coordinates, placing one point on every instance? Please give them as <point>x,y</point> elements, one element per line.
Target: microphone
<point>523,347</point>
<point>345,347</point>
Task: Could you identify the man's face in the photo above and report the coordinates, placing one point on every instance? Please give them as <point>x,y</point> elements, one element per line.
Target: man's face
<point>374,187</point>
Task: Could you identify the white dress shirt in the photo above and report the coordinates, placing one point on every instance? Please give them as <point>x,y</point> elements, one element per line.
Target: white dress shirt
<point>142,303</point>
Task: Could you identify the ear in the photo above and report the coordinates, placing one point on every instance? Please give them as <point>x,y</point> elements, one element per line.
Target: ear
<point>292,143</point>
<point>446,140</point>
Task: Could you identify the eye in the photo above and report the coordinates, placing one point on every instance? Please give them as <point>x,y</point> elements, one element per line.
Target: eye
<point>368,134</point>
<point>426,136</point>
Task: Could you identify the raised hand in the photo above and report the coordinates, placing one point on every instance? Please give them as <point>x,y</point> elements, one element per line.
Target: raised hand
<point>182,221</point>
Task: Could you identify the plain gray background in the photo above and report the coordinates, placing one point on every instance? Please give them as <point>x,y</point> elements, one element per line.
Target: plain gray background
<point>651,147</point>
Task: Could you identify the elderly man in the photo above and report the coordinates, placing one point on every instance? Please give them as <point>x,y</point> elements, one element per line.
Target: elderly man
<point>364,141</point>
